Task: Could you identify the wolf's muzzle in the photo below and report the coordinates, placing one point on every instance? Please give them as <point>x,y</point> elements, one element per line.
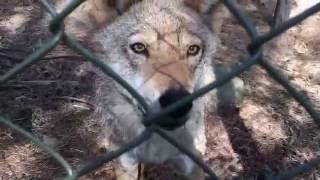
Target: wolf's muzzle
<point>179,116</point>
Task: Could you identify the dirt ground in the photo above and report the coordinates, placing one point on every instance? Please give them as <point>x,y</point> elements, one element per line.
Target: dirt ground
<point>269,132</point>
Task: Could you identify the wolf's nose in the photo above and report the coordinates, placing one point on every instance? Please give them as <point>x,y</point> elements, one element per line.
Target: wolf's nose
<point>170,97</point>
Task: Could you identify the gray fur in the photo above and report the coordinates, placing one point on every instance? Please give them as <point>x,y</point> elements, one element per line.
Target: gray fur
<point>121,118</point>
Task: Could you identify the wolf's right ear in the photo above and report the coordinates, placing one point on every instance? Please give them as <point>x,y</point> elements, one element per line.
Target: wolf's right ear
<point>194,4</point>
<point>88,17</point>
<point>122,5</point>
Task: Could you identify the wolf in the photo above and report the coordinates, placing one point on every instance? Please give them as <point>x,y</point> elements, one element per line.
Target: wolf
<point>164,50</point>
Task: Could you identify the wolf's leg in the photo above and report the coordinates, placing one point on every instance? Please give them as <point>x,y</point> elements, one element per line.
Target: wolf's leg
<point>128,168</point>
<point>125,174</point>
<point>197,173</point>
<point>187,167</point>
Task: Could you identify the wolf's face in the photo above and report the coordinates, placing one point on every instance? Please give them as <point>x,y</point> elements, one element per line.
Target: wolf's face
<point>160,48</point>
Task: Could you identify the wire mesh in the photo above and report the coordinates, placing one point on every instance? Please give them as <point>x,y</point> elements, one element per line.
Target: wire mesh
<point>255,49</point>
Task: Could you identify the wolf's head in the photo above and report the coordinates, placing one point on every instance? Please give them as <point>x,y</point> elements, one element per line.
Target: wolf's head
<point>160,48</point>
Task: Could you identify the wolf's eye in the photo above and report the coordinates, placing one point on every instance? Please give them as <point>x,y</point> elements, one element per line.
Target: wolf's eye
<point>139,48</point>
<point>193,50</point>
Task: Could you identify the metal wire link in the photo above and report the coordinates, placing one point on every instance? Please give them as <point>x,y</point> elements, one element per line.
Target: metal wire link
<point>255,49</point>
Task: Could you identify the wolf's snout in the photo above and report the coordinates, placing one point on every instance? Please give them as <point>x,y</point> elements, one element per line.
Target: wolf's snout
<point>171,96</point>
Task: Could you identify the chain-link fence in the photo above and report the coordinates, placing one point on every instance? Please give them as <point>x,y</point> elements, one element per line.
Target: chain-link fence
<point>150,120</point>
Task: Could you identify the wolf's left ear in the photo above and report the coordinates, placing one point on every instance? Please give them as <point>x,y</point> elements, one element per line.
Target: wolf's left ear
<point>194,4</point>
